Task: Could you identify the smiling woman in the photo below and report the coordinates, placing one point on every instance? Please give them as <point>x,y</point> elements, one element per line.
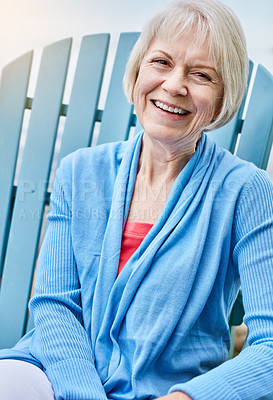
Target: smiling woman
<point>134,302</point>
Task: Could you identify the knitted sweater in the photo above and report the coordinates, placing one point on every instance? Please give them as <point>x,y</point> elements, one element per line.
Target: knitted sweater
<point>162,324</point>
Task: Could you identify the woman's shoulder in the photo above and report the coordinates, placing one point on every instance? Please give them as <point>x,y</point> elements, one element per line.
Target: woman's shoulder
<point>92,161</point>
<point>233,174</point>
<point>240,173</point>
<point>232,165</point>
<point>106,153</point>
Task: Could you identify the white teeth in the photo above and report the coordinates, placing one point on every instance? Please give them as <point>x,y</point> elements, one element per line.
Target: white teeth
<point>174,110</point>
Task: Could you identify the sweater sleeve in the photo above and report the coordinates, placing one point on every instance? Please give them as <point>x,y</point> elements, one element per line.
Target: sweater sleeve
<point>60,341</point>
<point>249,376</point>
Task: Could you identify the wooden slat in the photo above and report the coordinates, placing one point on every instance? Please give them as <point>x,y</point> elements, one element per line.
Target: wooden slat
<point>83,104</point>
<point>13,91</point>
<point>227,135</point>
<point>257,133</point>
<point>117,112</point>
<point>30,196</point>
<point>82,110</point>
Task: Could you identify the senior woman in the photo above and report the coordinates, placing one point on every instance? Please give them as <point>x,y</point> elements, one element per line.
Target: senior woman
<point>136,279</point>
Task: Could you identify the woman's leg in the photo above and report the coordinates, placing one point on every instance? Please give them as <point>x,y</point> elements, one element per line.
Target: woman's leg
<point>24,381</point>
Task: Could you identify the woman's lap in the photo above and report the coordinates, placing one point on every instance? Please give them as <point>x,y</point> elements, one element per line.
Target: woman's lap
<point>24,381</point>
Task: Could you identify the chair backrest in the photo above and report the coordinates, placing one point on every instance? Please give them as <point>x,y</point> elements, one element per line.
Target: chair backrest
<point>25,174</point>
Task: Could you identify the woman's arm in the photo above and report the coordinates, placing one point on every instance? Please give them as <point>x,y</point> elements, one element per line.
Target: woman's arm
<point>248,376</point>
<point>60,341</point>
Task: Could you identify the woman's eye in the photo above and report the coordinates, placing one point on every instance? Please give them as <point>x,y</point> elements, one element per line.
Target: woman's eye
<point>203,76</point>
<point>160,61</point>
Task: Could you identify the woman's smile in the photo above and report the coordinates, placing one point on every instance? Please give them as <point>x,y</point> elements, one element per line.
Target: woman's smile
<point>170,108</point>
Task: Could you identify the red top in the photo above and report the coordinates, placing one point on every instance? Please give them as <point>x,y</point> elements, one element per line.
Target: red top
<point>133,234</point>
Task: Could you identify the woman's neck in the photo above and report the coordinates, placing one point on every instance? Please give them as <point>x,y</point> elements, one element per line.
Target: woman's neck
<point>159,165</point>
<point>162,161</point>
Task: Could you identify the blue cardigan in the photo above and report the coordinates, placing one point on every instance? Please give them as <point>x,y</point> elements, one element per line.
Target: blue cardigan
<point>162,324</point>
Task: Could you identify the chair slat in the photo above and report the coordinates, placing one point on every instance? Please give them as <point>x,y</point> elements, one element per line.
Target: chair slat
<point>255,144</point>
<point>30,196</point>
<point>227,135</point>
<point>117,112</point>
<point>83,104</point>
<point>13,92</point>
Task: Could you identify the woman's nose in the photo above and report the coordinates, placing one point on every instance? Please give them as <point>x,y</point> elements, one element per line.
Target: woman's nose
<point>175,84</point>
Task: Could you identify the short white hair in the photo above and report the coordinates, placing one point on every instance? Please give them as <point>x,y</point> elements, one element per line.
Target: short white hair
<point>211,20</point>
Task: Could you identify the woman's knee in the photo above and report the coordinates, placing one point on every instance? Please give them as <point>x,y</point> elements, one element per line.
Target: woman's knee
<point>24,381</point>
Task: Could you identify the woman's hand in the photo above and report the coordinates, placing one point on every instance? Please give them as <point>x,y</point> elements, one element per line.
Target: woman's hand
<point>175,396</point>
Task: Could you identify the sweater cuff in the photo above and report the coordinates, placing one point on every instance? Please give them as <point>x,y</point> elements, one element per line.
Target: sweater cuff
<point>75,379</point>
<point>207,387</point>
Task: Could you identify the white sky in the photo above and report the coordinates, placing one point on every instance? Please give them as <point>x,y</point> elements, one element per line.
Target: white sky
<point>31,24</point>
<point>27,24</point>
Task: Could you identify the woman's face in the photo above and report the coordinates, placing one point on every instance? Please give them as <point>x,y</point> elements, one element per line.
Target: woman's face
<point>177,90</point>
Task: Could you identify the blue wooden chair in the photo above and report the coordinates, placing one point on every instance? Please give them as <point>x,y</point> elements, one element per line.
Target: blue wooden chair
<point>24,198</point>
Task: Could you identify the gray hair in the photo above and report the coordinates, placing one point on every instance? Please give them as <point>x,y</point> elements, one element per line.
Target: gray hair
<point>212,20</point>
